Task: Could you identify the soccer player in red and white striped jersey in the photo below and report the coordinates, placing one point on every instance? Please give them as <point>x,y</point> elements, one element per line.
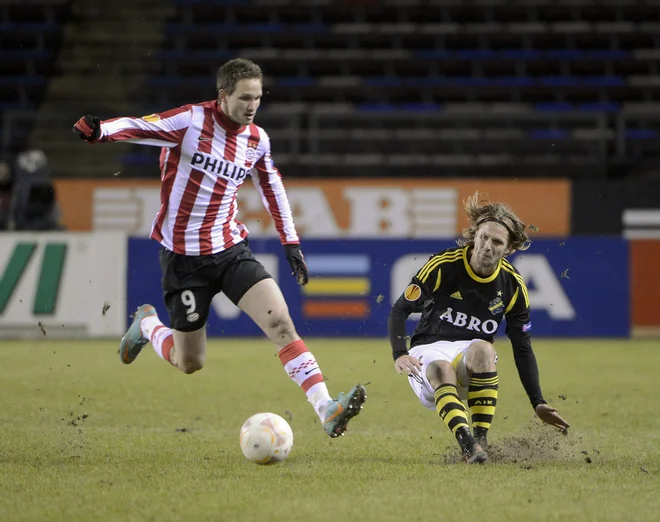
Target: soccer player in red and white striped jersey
<point>208,150</point>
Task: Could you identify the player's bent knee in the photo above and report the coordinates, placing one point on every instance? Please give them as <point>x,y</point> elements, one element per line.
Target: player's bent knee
<point>481,356</point>
<point>440,372</point>
<point>189,350</point>
<point>483,348</point>
<point>191,363</point>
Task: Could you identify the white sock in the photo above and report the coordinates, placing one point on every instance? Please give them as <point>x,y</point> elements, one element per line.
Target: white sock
<point>319,397</point>
<point>148,325</point>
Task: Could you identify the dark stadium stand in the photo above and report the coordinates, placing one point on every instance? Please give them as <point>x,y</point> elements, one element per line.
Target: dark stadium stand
<point>30,34</point>
<point>426,84</point>
<point>544,88</point>
<point>421,51</point>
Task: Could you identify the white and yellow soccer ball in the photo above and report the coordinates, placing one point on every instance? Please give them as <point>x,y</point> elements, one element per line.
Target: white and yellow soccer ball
<point>266,438</point>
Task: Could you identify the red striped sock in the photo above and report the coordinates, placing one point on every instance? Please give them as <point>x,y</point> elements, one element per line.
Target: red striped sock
<point>162,341</point>
<point>303,369</point>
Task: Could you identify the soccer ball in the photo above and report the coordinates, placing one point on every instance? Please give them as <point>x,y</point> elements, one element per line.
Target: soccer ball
<point>266,438</point>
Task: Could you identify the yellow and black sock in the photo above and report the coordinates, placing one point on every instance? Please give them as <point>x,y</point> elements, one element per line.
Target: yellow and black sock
<point>482,400</point>
<point>451,410</point>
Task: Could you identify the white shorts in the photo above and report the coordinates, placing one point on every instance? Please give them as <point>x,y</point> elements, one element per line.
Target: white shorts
<point>450,351</point>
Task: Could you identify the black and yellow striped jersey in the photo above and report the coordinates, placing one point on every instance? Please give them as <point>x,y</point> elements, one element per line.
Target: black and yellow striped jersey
<point>456,304</point>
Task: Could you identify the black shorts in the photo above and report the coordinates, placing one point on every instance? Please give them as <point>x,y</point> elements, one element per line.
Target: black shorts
<point>190,282</point>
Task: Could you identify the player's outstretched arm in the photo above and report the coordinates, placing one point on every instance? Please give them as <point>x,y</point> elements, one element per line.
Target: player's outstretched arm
<point>268,182</point>
<point>415,297</point>
<point>396,329</point>
<point>518,326</point>
<point>165,129</point>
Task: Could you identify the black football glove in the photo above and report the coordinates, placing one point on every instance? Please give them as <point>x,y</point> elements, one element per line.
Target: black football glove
<point>297,262</point>
<point>88,128</point>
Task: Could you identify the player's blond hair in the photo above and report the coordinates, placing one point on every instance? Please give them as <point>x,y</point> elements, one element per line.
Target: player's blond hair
<point>480,211</point>
<point>234,70</point>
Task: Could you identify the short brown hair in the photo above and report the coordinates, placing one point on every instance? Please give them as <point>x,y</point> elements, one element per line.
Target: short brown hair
<point>480,211</point>
<point>234,70</point>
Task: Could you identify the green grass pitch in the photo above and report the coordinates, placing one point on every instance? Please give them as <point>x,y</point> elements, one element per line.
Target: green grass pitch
<point>83,437</point>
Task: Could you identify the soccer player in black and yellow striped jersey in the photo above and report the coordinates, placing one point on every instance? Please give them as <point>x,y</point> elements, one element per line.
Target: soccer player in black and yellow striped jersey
<point>463,294</point>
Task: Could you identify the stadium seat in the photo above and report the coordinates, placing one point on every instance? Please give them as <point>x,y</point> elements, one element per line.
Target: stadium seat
<point>401,59</point>
<point>30,33</point>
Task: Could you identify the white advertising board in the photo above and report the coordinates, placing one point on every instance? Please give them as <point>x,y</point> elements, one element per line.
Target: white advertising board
<point>61,284</point>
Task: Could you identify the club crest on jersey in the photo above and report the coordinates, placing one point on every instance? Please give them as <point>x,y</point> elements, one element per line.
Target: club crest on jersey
<point>151,118</point>
<point>251,151</point>
<point>496,306</point>
<point>413,292</point>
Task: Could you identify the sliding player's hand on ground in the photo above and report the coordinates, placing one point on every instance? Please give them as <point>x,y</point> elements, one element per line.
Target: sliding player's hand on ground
<point>88,128</point>
<point>549,415</point>
<point>297,262</point>
<point>408,365</point>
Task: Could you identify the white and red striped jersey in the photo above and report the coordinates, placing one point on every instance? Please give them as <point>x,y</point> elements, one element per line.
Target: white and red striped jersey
<point>204,160</point>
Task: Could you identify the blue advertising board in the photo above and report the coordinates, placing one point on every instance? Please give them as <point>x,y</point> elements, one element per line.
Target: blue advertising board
<point>578,286</point>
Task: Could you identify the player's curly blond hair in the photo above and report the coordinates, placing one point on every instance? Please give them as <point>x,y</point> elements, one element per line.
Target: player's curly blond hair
<point>480,211</point>
<point>234,70</point>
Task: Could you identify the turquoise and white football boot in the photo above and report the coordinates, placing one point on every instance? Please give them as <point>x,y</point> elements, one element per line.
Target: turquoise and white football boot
<point>132,343</point>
